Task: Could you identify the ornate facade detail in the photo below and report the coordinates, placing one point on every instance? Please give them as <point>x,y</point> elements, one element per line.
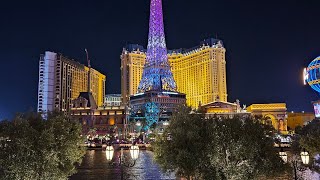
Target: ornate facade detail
<point>270,107</point>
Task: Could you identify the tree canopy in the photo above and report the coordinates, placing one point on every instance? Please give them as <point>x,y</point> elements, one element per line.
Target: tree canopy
<point>216,148</point>
<point>309,137</point>
<point>34,148</point>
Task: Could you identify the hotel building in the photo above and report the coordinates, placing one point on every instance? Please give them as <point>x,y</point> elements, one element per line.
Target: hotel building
<point>200,72</point>
<point>62,79</point>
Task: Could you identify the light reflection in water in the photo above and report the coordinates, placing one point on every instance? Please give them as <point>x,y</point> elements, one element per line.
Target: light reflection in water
<point>96,166</point>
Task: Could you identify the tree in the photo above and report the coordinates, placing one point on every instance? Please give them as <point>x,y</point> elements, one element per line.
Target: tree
<point>215,148</point>
<point>182,153</point>
<point>40,149</point>
<point>242,148</point>
<point>309,137</point>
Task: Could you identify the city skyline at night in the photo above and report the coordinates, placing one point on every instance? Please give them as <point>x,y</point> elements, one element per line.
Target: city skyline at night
<point>266,51</point>
<point>160,89</point>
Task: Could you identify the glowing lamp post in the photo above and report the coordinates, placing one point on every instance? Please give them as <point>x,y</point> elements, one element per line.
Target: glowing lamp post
<point>305,157</point>
<point>134,152</point>
<point>123,160</point>
<point>109,153</point>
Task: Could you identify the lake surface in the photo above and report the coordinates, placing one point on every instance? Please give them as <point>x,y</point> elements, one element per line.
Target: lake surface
<point>95,166</point>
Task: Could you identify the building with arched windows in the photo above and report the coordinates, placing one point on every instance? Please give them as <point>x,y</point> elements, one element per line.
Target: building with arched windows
<point>274,113</point>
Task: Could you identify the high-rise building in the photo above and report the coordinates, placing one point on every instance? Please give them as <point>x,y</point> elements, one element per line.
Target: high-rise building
<point>199,72</point>
<point>157,94</point>
<point>62,79</point>
<point>133,58</point>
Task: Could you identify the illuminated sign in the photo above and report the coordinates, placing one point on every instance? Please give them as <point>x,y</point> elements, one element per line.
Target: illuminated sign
<point>316,107</point>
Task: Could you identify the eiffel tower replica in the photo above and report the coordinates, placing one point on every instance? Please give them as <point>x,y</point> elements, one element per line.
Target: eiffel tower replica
<point>157,95</point>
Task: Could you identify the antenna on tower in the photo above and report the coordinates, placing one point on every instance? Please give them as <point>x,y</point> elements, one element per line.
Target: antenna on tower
<point>88,60</point>
<point>89,73</point>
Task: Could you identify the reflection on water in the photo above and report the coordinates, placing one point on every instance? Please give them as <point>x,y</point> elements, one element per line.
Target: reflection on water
<point>96,166</point>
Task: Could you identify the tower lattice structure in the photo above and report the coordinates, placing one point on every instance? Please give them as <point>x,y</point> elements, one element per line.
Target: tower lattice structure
<point>157,95</point>
<point>157,75</point>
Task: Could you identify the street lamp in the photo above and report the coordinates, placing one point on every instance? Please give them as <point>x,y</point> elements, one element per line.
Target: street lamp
<point>138,123</point>
<point>134,152</point>
<point>109,153</point>
<point>123,160</point>
<point>305,157</point>
<point>296,164</point>
<point>283,155</point>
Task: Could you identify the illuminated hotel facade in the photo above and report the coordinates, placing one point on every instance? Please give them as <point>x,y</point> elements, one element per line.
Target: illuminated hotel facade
<point>200,72</point>
<point>62,79</point>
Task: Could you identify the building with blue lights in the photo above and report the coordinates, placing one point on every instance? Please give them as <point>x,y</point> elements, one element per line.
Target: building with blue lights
<point>157,94</point>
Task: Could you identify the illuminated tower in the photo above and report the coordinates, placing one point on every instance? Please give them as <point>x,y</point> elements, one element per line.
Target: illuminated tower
<point>157,94</point>
<point>199,72</point>
<point>156,73</point>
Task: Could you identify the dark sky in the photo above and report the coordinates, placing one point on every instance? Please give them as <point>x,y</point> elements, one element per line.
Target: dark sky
<point>268,42</point>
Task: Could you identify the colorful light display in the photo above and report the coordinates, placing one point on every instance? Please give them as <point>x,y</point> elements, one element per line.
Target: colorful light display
<point>157,94</point>
<point>312,74</point>
<point>152,111</point>
<point>156,73</point>
<point>316,107</point>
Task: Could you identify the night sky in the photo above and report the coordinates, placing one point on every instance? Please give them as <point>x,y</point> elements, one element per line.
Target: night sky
<point>268,43</point>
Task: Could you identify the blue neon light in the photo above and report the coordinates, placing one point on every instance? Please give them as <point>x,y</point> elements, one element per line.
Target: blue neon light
<point>313,71</point>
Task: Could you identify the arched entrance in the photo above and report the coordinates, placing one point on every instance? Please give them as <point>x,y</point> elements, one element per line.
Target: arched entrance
<point>271,120</point>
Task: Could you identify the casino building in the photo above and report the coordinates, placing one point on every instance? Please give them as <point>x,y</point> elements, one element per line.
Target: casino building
<point>199,72</point>
<point>61,80</point>
<point>154,81</point>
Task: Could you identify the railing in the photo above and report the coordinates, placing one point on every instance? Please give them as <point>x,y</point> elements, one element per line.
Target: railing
<point>129,145</point>
<point>117,145</point>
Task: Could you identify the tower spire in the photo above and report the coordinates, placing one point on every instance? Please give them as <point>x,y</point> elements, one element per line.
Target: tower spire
<point>89,73</point>
<point>157,76</point>
<point>156,72</point>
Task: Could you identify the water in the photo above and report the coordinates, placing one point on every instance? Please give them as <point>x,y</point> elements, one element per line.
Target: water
<point>95,166</point>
